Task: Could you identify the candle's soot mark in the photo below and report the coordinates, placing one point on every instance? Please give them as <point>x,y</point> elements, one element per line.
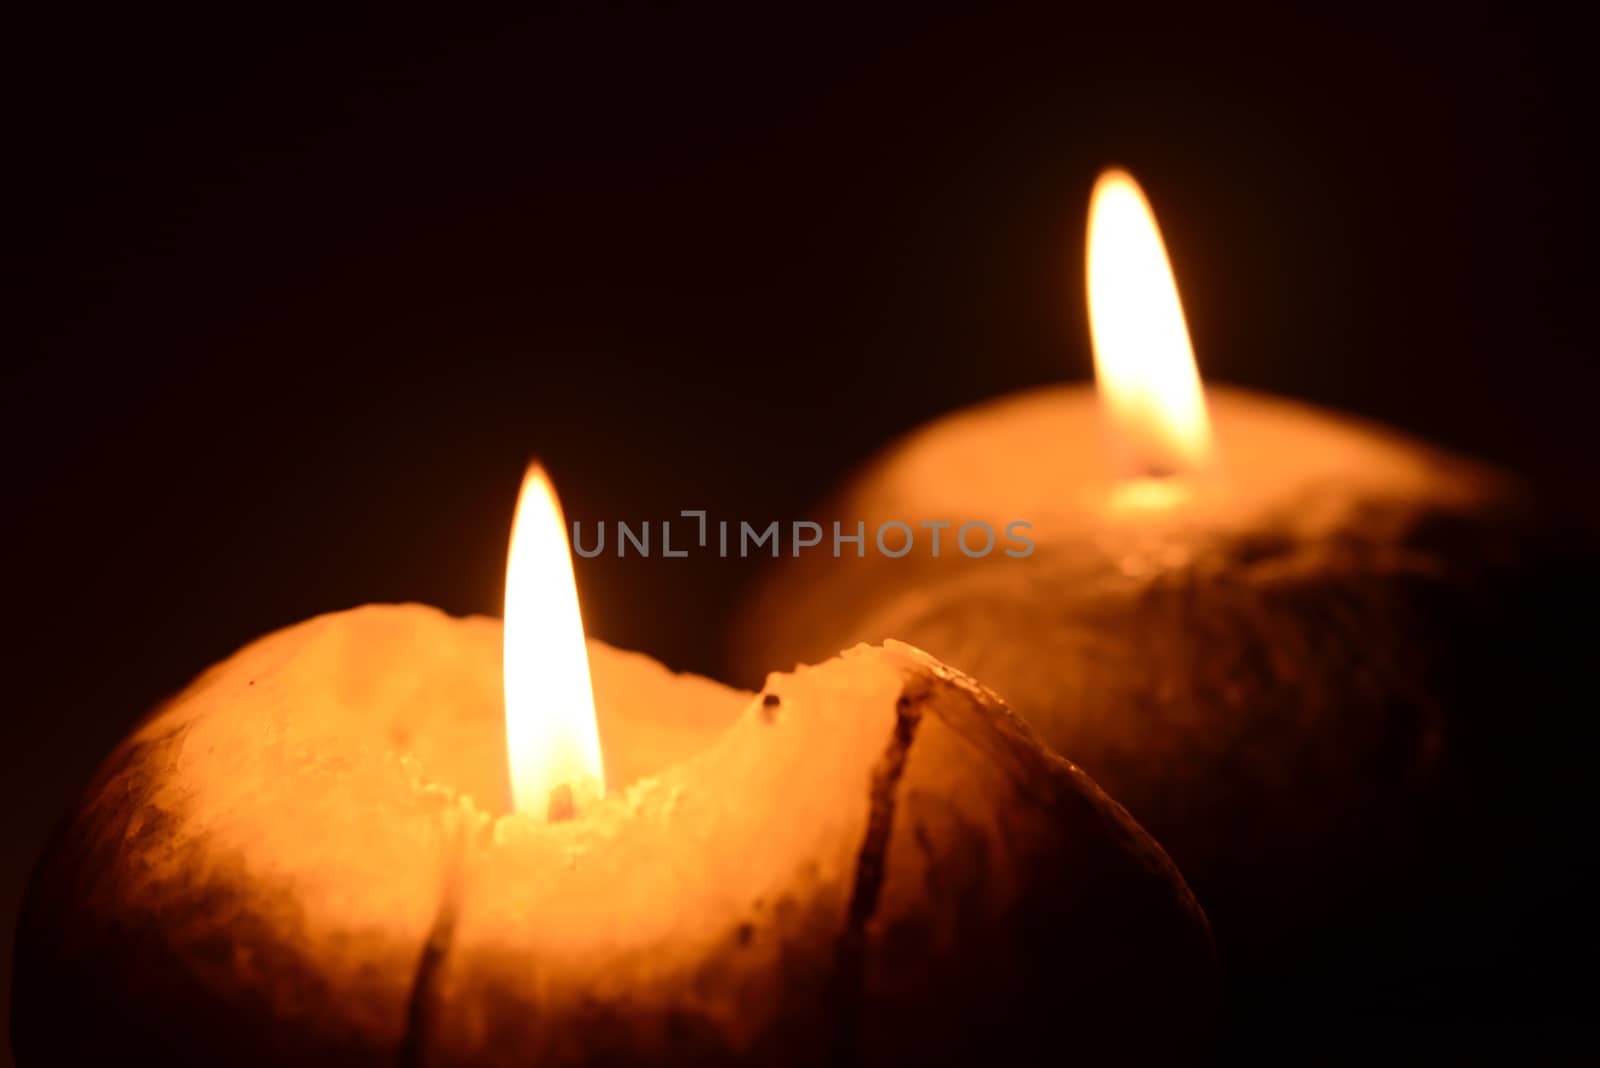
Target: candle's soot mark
<point>850,956</point>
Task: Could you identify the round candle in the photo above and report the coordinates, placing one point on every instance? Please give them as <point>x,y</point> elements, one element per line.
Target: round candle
<point>1233,610</point>
<point>311,856</point>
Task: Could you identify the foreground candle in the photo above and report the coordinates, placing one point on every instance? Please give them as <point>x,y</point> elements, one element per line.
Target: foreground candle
<point>1250,619</point>
<point>309,856</point>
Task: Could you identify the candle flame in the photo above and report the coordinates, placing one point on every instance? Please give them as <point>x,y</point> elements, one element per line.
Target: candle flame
<point>1144,363</point>
<point>552,738</point>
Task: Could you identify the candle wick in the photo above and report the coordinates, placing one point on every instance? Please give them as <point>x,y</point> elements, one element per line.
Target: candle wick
<point>561,804</point>
<point>1157,469</point>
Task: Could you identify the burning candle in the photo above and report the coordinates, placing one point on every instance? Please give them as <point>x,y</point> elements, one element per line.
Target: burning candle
<point>343,845</point>
<point>1235,611</point>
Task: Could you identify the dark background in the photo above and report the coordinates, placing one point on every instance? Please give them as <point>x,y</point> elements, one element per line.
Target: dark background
<point>294,299</point>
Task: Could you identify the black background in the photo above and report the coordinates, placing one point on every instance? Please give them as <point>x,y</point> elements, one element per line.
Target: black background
<point>295,299</point>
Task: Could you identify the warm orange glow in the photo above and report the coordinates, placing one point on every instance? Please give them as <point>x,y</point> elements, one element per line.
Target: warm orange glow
<point>1143,361</point>
<point>551,734</point>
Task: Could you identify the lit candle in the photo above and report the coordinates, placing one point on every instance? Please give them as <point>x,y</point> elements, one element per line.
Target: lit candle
<point>326,851</point>
<point>1233,610</point>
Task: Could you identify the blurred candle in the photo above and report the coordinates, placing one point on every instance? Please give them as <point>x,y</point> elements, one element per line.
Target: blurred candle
<point>1236,614</point>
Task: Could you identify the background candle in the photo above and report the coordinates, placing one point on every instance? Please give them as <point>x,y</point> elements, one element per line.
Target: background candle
<point>1249,661</point>
<point>307,857</point>
<point>1272,653</point>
